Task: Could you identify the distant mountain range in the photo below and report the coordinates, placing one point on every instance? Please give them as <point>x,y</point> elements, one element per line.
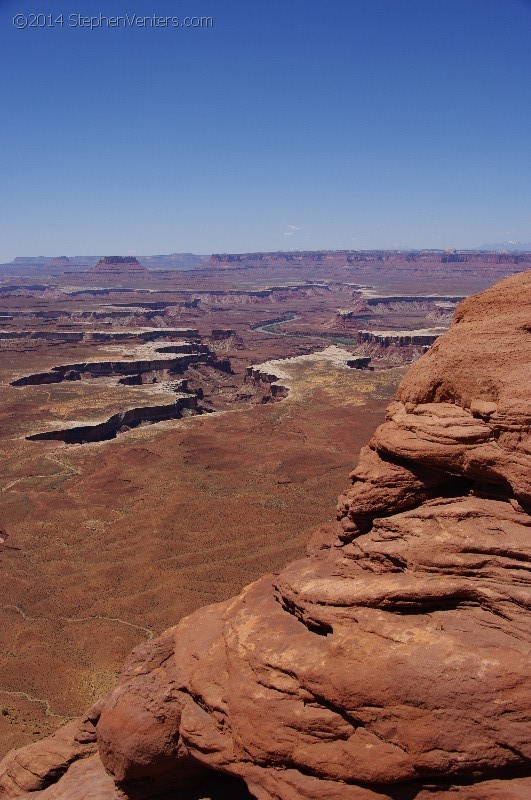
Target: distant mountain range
<point>517,246</point>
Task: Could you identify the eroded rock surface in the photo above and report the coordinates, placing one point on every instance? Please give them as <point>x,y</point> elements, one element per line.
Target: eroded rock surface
<point>393,661</point>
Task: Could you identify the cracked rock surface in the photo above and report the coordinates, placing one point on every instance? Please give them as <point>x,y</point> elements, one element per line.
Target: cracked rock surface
<point>390,664</point>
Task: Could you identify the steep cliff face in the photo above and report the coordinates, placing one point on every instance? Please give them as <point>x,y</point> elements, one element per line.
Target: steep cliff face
<point>393,661</point>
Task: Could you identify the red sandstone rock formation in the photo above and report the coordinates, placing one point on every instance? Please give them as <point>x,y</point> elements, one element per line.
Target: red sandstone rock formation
<point>392,662</point>
<point>118,265</point>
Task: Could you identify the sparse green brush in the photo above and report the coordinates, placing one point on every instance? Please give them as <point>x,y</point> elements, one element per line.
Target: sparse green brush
<point>5,712</point>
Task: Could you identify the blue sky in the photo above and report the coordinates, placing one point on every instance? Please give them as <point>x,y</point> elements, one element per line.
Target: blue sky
<point>303,124</point>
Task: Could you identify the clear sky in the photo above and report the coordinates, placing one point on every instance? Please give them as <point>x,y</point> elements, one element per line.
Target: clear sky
<point>304,124</point>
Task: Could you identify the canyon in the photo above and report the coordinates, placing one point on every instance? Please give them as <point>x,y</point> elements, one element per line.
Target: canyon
<point>167,441</point>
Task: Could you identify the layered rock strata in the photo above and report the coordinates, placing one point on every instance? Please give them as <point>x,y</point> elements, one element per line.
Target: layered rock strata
<point>393,661</point>
<point>400,338</point>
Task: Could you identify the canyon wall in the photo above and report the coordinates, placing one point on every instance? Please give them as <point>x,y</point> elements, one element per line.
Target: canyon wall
<point>344,257</point>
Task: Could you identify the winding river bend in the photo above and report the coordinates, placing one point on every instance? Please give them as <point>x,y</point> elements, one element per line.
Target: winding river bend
<point>272,327</point>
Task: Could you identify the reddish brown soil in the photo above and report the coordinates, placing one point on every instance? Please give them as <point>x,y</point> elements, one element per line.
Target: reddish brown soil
<point>112,542</point>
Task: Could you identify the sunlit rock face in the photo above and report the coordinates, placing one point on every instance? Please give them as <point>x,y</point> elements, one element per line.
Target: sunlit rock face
<point>393,661</point>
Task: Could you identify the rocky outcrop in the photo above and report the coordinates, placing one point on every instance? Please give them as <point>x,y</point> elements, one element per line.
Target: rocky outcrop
<point>393,662</point>
<point>118,265</point>
<point>405,300</point>
<point>59,261</point>
<point>398,338</point>
<point>360,362</point>
<point>149,335</point>
<point>41,764</point>
<point>185,355</point>
<point>183,404</point>
<point>268,381</point>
